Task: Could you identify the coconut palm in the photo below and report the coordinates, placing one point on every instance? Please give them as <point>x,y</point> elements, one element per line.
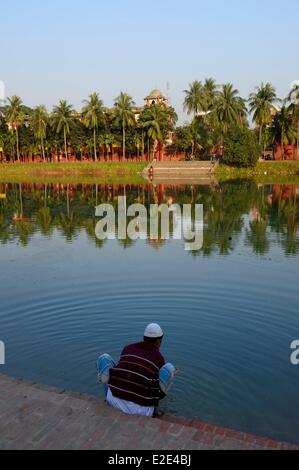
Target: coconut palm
<point>124,115</point>
<point>14,115</point>
<point>39,123</point>
<point>261,104</point>
<point>209,94</point>
<point>93,116</point>
<point>229,109</point>
<point>152,124</point>
<point>63,120</point>
<point>157,121</point>
<point>193,98</point>
<point>282,131</point>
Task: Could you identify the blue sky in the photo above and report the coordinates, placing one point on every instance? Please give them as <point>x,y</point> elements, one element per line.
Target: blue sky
<point>69,48</point>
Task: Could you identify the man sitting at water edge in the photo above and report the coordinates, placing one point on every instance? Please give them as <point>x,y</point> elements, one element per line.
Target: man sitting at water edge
<point>141,378</point>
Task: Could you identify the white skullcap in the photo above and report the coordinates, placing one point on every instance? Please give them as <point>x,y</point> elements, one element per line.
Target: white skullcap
<point>153,331</point>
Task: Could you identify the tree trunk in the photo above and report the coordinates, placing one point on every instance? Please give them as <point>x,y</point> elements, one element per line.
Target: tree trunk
<point>43,149</point>
<point>261,130</point>
<point>124,143</point>
<point>298,140</point>
<point>17,143</point>
<point>95,144</point>
<point>142,138</point>
<point>65,143</point>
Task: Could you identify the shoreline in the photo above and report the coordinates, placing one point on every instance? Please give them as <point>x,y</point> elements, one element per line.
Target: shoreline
<point>36,416</point>
<point>130,172</point>
<point>263,171</point>
<point>80,172</point>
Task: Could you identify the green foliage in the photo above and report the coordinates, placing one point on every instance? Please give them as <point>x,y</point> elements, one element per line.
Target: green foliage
<point>241,147</point>
<point>194,138</point>
<point>261,105</point>
<point>158,121</point>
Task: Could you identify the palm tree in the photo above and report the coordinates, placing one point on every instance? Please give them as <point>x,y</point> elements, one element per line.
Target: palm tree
<point>152,124</point>
<point>193,98</point>
<point>63,119</point>
<point>229,109</point>
<point>158,120</point>
<point>282,131</point>
<point>124,115</point>
<point>39,122</point>
<point>14,115</point>
<point>93,116</point>
<point>294,110</point>
<point>261,105</point>
<point>209,94</point>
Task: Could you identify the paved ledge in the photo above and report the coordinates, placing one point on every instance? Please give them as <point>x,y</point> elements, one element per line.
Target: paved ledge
<point>34,416</point>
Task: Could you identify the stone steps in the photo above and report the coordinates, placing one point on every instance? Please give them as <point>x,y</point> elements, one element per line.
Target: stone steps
<point>176,170</point>
<point>35,416</point>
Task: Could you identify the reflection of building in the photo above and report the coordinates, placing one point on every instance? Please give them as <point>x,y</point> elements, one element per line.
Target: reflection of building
<point>283,192</point>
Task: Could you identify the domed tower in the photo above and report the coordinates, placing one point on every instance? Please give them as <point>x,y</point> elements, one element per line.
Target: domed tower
<point>155,97</point>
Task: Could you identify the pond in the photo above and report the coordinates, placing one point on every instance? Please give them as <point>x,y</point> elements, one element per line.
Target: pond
<point>229,310</point>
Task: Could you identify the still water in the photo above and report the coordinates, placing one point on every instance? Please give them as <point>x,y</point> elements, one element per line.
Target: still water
<point>229,311</point>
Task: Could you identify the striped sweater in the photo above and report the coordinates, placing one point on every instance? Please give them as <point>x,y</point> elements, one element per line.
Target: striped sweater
<point>136,376</point>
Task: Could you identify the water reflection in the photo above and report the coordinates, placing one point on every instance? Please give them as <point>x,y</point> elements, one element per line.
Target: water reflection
<point>266,215</point>
<point>230,310</point>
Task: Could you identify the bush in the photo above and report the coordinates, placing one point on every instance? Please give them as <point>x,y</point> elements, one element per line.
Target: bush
<point>241,148</point>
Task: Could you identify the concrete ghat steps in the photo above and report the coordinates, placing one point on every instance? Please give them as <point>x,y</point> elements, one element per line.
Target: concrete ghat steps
<point>181,169</point>
<point>34,416</point>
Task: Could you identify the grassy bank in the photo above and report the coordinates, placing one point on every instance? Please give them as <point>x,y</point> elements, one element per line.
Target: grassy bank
<point>89,172</point>
<point>287,171</point>
<point>130,172</point>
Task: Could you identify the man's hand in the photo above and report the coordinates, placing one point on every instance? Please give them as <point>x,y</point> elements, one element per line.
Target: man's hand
<point>177,371</point>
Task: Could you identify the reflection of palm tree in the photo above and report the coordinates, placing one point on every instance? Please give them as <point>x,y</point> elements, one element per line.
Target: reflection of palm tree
<point>90,227</point>
<point>23,229</point>
<point>257,236</point>
<point>4,229</point>
<point>68,224</point>
<point>291,212</point>
<point>19,214</point>
<point>127,242</point>
<point>44,221</point>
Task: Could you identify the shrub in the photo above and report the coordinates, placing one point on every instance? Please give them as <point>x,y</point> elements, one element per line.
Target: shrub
<point>241,148</point>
